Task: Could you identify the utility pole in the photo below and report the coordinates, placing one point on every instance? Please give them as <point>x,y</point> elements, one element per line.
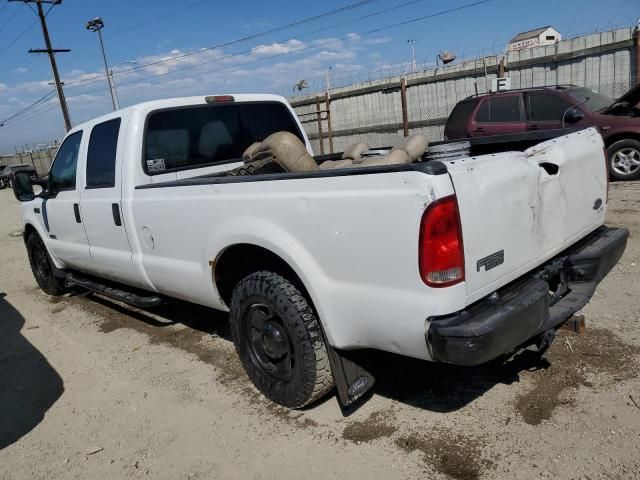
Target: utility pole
<point>412,42</point>
<point>51,52</point>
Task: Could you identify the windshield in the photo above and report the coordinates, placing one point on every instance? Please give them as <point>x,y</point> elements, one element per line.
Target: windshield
<point>590,99</point>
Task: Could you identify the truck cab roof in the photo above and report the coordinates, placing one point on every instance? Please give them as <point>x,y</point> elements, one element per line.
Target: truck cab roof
<point>175,102</point>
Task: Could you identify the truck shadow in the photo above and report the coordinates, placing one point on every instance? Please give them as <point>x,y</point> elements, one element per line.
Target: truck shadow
<point>432,386</point>
<point>200,319</point>
<point>29,385</point>
<point>440,387</point>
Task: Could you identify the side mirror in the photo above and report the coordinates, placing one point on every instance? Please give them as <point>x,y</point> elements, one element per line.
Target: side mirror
<point>573,115</point>
<point>22,186</point>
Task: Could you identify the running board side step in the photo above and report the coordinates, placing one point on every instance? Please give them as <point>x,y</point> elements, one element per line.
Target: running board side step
<point>129,298</point>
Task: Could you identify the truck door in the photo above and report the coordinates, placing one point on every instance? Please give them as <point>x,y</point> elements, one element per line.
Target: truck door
<point>545,111</point>
<point>100,202</point>
<point>499,114</point>
<point>61,209</point>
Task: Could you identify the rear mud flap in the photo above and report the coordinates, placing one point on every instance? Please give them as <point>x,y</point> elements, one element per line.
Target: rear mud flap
<point>352,381</point>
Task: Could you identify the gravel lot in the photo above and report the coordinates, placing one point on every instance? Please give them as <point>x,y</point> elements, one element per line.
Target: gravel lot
<point>93,389</point>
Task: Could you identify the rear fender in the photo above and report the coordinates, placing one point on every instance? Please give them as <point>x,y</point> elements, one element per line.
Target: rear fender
<point>262,233</point>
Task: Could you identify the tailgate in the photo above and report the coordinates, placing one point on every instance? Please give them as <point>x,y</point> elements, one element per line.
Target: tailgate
<point>518,209</point>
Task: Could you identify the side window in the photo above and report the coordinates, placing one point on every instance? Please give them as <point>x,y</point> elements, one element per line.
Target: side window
<point>546,108</point>
<point>500,110</point>
<point>483,112</point>
<point>63,171</point>
<point>101,155</point>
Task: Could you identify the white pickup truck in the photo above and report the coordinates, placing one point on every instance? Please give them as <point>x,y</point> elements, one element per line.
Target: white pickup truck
<point>219,201</point>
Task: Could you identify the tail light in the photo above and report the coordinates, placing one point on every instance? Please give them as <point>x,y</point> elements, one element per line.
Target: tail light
<point>441,255</point>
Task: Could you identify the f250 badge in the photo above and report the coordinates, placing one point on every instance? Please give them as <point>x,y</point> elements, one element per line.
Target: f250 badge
<point>491,261</point>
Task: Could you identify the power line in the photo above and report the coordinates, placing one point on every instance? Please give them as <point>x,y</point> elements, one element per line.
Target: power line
<point>319,45</point>
<point>26,109</point>
<point>157,19</point>
<point>39,110</point>
<point>20,35</point>
<point>9,20</point>
<point>310,47</point>
<point>257,35</point>
<point>24,32</point>
<point>171,59</point>
<point>51,53</point>
<point>47,107</point>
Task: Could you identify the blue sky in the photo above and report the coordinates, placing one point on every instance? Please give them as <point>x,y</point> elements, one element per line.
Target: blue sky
<point>152,31</point>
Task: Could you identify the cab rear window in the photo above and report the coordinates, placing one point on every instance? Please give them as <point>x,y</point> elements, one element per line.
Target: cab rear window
<point>197,136</point>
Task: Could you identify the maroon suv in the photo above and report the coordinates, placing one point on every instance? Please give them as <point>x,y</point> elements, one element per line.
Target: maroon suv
<point>546,108</point>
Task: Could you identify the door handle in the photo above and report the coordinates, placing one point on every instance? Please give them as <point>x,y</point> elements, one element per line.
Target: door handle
<point>478,129</point>
<point>115,210</point>
<point>533,127</point>
<point>76,212</point>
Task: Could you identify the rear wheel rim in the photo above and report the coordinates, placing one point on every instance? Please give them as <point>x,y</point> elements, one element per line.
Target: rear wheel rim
<point>625,161</point>
<point>268,342</point>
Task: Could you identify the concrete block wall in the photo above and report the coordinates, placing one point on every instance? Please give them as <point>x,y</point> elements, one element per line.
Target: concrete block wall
<point>372,112</point>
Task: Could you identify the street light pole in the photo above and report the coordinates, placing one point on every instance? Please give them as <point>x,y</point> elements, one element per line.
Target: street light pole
<point>113,82</point>
<point>106,69</point>
<point>96,25</point>
<point>414,67</point>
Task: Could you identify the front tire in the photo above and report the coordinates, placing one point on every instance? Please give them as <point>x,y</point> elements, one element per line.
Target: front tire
<point>624,160</point>
<point>279,341</point>
<point>42,267</point>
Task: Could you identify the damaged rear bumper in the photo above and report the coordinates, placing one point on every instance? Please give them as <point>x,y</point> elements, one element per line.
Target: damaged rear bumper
<point>516,314</point>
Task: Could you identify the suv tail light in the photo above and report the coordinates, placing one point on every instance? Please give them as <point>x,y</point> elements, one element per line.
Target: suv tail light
<point>440,249</point>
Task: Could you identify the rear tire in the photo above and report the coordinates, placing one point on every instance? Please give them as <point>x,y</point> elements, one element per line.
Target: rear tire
<point>279,341</point>
<point>42,267</point>
<point>624,160</point>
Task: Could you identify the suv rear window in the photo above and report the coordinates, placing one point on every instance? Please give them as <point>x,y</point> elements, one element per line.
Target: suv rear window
<point>196,136</point>
<point>499,110</point>
<point>461,113</point>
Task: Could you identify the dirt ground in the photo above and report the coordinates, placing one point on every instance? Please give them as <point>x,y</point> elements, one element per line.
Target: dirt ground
<point>90,389</point>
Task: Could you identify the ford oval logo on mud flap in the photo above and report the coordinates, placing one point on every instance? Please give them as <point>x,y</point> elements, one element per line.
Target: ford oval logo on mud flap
<point>358,386</point>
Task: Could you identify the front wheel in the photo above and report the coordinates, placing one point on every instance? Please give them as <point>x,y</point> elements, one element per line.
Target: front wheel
<point>42,267</point>
<point>278,338</point>
<point>624,160</point>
